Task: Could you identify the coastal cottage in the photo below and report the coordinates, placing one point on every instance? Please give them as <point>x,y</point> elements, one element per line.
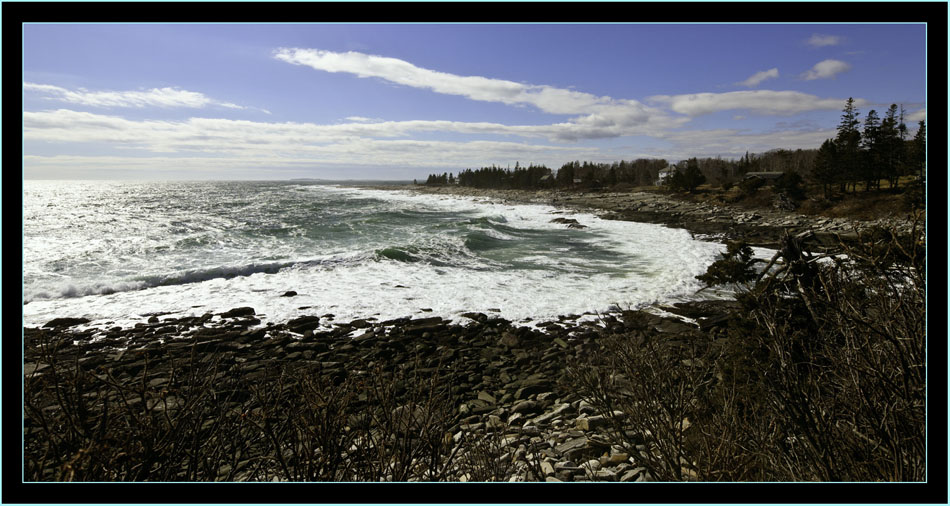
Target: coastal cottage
<point>665,175</point>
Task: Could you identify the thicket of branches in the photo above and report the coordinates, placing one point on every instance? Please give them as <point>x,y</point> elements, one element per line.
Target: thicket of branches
<point>820,376</point>
<point>212,421</point>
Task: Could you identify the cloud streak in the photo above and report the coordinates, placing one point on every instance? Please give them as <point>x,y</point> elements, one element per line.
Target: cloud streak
<point>758,77</point>
<point>210,135</point>
<point>916,116</point>
<point>826,69</point>
<point>156,97</point>
<point>818,40</point>
<point>732,143</point>
<point>596,116</point>
<point>758,101</point>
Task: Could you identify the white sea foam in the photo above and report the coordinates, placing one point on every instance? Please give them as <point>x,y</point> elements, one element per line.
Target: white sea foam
<point>630,264</point>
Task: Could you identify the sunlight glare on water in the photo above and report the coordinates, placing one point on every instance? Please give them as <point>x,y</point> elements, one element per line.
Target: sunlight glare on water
<point>113,251</point>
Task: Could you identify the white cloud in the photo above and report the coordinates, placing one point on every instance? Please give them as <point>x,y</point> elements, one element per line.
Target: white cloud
<point>362,119</point>
<point>915,116</point>
<point>758,77</point>
<point>155,97</point>
<point>223,134</point>
<point>825,69</point>
<point>817,40</point>
<point>757,101</point>
<point>354,152</point>
<point>600,116</point>
<point>208,135</point>
<point>733,143</point>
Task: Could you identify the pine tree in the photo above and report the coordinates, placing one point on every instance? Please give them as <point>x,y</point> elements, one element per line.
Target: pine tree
<point>920,149</point>
<point>891,143</point>
<point>848,143</point>
<point>872,149</point>
<point>824,168</point>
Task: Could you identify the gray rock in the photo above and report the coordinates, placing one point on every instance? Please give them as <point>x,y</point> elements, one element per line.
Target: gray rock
<point>422,325</point>
<point>532,386</point>
<point>571,444</point>
<point>509,339</point>
<point>303,324</point>
<point>526,407</point>
<point>531,430</point>
<point>560,410</point>
<point>66,322</point>
<point>487,397</point>
<point>359,324</point>
<point>238,311</point>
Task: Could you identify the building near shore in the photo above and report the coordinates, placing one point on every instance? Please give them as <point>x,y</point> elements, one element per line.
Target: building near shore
<point>664,175</point>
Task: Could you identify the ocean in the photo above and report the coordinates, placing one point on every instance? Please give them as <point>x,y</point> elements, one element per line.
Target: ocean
<point>116,252</point>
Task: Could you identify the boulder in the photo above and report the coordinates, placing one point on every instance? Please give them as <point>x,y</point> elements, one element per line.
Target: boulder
<point>303,324</point>
<point>479,317</point>
<point>487,397</point>
<point>509,339</point>
<point>526,407</point>
<point>360,324</point>
<point>66,322</point>
<point>421,325</point>
<point>238,311</point>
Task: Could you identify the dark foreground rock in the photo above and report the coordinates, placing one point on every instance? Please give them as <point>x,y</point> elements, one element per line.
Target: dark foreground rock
<point>503,383</point>
<point>65,322</point>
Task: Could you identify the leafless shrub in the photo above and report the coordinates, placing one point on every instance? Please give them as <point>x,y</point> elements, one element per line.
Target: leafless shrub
<point>204,419</point>
<point>821,378</point>
<point>650,393</point>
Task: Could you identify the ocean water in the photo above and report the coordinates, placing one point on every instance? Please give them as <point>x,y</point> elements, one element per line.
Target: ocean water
<point>118,251</point>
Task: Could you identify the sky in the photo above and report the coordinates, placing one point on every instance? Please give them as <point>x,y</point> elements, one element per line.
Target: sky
<point>401,101</point>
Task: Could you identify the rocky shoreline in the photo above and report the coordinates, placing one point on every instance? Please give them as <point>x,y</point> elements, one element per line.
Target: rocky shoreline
<point>508,385</point>
<point>759,227</point>
<point>509,410</point>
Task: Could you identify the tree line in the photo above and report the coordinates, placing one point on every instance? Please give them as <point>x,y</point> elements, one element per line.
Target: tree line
<point>687,174</point>
<point>870,153</point>
<point>574,174</point>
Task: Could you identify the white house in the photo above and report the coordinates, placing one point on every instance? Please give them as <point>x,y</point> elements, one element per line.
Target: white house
<point>665,174</point>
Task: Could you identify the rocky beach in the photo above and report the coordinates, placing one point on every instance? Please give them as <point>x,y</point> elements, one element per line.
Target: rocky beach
<point>223,397</point>
<point>761,226</point>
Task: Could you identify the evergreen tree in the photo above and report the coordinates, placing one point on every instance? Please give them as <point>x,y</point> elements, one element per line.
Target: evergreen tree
<point>689,178</point>
<point>848,144</point>
<point>902,150</point>
<point>890,147</point>
<point>920,149</point>
<point>824,170</point>
<point>871,156</point>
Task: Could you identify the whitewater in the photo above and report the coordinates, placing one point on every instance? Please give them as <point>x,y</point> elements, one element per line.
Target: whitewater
<point>117,252</point>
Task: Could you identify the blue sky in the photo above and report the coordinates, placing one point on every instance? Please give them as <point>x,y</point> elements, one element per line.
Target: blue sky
<point>400,101</point>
